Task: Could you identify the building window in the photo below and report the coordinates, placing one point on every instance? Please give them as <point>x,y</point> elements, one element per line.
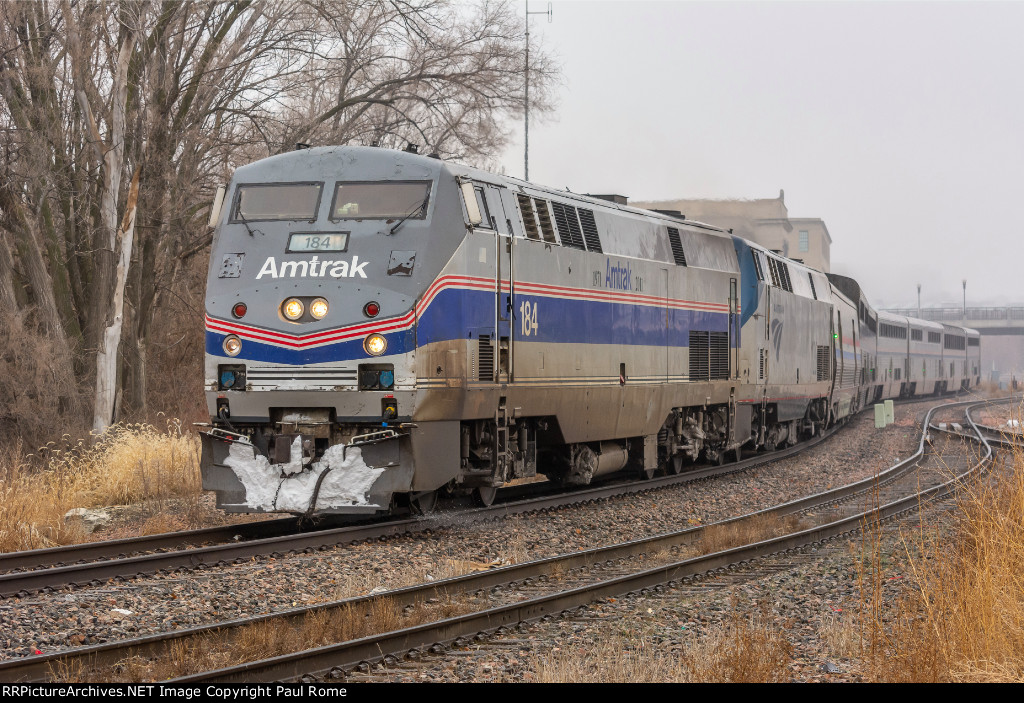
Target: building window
<point>805,242</point>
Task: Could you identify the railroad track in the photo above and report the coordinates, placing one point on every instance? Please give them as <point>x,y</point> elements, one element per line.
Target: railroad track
<point>106,562</point>
<point>93,564</point>
<point>509,580</point>
<point>999,437</point>
<point>338,660</point>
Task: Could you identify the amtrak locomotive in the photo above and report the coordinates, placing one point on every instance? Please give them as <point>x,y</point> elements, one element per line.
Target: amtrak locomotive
<point>383,326</point>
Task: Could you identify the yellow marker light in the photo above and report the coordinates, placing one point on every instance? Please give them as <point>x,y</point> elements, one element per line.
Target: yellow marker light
<point>232,345</point>
<point>318,308</point>
<point>292,308</point>
<point>375,345</point>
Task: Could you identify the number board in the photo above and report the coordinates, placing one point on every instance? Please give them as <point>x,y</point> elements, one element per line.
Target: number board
<point>317,241</point>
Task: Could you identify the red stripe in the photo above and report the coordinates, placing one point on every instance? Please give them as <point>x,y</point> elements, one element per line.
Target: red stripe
<point>449,281</point>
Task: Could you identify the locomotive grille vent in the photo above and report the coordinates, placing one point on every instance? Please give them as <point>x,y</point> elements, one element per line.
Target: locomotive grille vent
<point>757,265</point>
<point>709,356</point>
<point>764,354</point>
<point>529,221</point>
<point>568,225</point>
<point>823,363</point>
<point>677,246</point>
<point>811,279</point>
<point>590,230</point>
<point>773,269</point>
<point>545,220</point>
<point>485,354</point>
<point>787,283</point>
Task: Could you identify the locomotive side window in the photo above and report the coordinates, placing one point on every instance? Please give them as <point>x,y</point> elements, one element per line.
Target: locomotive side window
<point>276,201</point>
<point>380,200</point>
<point>485,213</point>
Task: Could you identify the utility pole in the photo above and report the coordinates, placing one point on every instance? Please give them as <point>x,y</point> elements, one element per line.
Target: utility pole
<point>918,300</point>
<point>526,70</point>
<point>965,298</point>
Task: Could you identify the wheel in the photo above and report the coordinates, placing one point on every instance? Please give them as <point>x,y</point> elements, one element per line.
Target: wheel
<point>424,503</point>
<point>485,495</point>
<point>675,465</point>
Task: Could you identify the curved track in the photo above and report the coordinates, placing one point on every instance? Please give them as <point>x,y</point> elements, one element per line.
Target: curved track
<point>504,578</point>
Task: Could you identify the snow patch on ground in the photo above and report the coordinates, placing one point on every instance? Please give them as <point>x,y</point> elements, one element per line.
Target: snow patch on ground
<point>347,483</point>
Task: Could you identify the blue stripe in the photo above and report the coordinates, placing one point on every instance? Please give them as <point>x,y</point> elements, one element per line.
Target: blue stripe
<point>459,314</point>
<point>456,313</point>
<point>398,343</point>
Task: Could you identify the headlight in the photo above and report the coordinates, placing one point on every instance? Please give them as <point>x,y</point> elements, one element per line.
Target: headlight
<point>292,308</point>
<point>232,345</point>
<point>375,345</point>
<point>318,308</point>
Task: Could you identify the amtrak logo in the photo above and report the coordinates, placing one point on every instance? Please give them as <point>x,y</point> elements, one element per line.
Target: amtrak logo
<point>618,276</point>
<point>313,268</point>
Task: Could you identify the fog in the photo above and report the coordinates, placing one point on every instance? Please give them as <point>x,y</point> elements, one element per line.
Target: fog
<point>899,124</point>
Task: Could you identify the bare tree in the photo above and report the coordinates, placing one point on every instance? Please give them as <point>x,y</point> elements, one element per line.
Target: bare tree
<point>118,119</point>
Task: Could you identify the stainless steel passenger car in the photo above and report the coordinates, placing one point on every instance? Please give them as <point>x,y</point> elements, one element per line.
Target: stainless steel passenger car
<point>384,326</point>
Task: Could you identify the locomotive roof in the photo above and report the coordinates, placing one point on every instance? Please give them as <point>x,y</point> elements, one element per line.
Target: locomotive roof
<point>391,164</point>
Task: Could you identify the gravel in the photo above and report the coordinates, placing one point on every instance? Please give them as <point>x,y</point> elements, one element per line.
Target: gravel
<point>817,600</point>
<point>67,618</point>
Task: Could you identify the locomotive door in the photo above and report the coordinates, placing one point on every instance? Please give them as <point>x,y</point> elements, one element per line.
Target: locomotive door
<point>504,285</point>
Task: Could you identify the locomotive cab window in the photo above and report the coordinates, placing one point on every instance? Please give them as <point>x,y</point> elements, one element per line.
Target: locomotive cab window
<point>380,200</point>
<point>277,201</point>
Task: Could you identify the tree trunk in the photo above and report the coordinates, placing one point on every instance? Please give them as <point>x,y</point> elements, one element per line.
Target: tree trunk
<point>106,356</point>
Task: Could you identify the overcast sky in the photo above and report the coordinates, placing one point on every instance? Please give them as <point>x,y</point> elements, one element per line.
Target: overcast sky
<point>901,125</point>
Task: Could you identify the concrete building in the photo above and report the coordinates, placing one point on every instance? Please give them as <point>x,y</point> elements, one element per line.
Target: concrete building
<point>765,221</point>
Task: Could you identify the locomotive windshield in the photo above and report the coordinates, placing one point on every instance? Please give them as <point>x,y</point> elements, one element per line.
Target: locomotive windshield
<point>380,200</point>
<point>279,201</point>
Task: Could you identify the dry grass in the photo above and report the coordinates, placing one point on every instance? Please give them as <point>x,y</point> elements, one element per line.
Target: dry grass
<point>128,464</point>
<point>842,635</point>
<point>716,538</point>
<point>272,638</point>
<point>742,651</point>
<point>965,620</point>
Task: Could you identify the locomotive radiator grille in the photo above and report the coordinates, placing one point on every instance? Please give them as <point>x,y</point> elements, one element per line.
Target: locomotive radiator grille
<point>529,218</point>
<point>544,217</point>
<point>709,356</point>
<point>590,233</point>
<point>277,377</point>
<point>677,246</point>
<point>485,357</point>
<point>568,225</point>
<point>824,357</point>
